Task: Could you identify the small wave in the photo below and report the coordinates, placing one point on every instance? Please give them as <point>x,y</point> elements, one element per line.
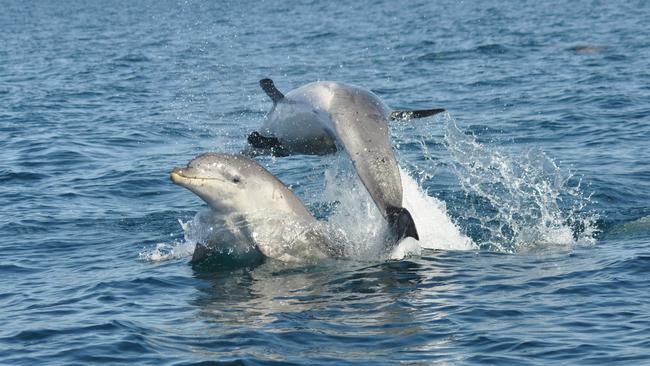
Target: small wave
<point>176,250</point>
<point>637,228</point>
<point>9,270</point>
<point>319,35</point>
<point>586,49</point>
<point>639,265</point>
<point>133,58</point>
<point>491,49</point>
<point>167,251</point>
<point>11,176</point>
<point>31,335</point>
<point>465,53</point>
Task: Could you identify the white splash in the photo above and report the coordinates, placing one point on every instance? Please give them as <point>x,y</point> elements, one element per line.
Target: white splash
<point>198,230</point>
<point>408,247</point>
<point>357,222</point>
<point>435,227</point>
<point>167,251</point>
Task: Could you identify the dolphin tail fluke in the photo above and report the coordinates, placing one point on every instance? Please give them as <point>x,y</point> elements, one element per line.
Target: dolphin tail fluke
<point>270,90</point>
<point>402,223</point>
<point>421,113</point>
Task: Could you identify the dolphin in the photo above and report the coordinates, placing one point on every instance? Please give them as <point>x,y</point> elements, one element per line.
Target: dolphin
<point>264,212</point>
<point>322,117</point>
<point>301,122</point>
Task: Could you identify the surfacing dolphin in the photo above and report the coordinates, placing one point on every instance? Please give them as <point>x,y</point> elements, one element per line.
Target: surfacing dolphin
<point>263,211</point>
<point>321,117</point>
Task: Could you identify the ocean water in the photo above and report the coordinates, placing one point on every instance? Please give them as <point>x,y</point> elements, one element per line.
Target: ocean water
<point>531,193</point>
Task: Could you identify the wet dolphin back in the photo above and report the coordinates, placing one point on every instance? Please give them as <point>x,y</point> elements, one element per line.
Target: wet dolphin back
<point>362,128</point>
<point>361,122</point>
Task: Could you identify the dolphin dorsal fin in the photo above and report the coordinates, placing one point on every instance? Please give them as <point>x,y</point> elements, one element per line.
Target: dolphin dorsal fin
<point>270,90</point>
<point>405,115</point>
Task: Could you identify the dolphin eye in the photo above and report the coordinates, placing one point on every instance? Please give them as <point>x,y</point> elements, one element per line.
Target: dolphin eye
<point>236,179</point>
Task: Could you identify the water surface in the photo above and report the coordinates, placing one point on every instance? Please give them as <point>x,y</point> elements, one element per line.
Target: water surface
<point>542,162</point>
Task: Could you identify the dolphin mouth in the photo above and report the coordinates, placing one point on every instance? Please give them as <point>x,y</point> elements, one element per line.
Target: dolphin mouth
<point>180,176</point>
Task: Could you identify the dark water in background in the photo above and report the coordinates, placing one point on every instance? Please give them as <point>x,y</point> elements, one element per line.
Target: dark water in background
<point>98,100</point>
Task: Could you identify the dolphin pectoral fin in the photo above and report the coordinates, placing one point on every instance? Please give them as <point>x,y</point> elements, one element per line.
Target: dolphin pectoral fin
<point>270,90</point>
<point>211,257</point>
<point>272,144</point>
<point>200,253</point>
<point>401,223</point>
<point>408,115</point>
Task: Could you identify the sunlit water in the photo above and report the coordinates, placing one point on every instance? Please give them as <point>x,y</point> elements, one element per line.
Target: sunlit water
<point>530,194</point>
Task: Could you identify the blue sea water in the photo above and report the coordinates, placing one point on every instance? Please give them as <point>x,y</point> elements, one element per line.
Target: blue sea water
<point>542,162</point>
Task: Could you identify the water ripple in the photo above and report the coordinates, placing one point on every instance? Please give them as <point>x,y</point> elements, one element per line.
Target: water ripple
<point>543,154</point>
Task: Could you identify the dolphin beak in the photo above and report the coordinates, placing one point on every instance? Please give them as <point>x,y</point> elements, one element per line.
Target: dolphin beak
<point>176,175</point>
<point>181,177</point>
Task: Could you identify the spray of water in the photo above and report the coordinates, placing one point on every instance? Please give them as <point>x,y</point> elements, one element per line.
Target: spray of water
<point>174,250</point>
<point>515,202</point>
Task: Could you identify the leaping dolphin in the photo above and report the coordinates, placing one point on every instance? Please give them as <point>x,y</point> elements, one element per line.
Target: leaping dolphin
<point>322,117</point>
<point>300,121</point>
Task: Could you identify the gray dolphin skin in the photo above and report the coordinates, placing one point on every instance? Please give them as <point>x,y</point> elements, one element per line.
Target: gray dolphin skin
<point>322,117</point>
<point>265,212</point>
<point>300,121</point>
